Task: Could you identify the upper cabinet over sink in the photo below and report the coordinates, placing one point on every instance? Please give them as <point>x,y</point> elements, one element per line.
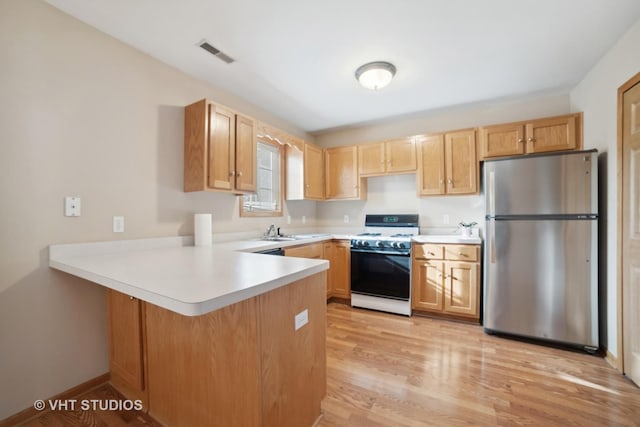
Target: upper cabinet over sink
<point>304,171</point>
<point>219,149</point>
<point>388,157</point>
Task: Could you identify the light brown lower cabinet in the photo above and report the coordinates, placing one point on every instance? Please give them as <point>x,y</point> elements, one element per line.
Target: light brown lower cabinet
<point>446,280</point>
<point>338,253</point>
<point>244,364</point>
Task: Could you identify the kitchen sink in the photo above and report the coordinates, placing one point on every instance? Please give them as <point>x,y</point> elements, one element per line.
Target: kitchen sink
<point>279,238</point>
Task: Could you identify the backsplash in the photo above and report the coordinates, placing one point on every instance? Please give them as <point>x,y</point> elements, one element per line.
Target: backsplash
<point>397,194</point>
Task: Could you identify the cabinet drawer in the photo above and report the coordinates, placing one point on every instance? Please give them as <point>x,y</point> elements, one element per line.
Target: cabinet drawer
<point>428,251</point>
<point>313,250</point>
<point>461,252</point>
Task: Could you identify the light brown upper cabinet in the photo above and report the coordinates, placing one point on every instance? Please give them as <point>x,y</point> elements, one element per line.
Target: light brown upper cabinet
<point>341,174</point>
<point>389,157</point>
<point>535,136</point>
<point>219,149</point>
<point>304,171</point>
<point>447,164</point>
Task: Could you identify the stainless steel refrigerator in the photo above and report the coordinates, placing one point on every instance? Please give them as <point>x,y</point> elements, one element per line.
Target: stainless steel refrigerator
<point>541,259</point>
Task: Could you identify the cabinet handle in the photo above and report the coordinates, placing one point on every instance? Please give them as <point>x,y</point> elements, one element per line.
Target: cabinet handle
<point>449,181</point>
<point>521,140</point>
<point>461,254</point>
<point>232,173</point>
<point>531,139</point>
<point>239,174</point>
<point>131,298</point>
<point>430,253</point>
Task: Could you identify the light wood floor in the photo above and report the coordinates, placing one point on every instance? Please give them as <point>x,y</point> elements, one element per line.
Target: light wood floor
<point>389,370</point>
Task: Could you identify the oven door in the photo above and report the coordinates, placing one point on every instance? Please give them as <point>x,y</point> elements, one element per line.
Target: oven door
<point>380,274</point>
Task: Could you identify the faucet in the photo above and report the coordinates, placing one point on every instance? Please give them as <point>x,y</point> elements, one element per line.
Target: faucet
<point>270,231</point>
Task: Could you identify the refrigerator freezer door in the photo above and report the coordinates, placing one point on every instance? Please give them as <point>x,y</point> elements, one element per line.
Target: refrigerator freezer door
<point>559,184</point>
<point>541,279</point>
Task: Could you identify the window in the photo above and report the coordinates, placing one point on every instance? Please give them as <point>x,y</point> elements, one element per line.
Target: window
<point>267,201</point>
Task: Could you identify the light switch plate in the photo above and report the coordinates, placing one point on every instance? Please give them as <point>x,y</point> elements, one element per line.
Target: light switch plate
<point>118,224</point>
<point>301,319</point>
<point>72,206</point>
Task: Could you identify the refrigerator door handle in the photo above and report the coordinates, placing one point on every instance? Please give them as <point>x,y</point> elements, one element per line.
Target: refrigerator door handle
<point>492,240</point>
<point>491,194</point>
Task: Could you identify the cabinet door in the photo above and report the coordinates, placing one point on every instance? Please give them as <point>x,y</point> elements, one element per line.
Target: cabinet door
<point>313,172</point>
<point>427,281</point>
<point>461,164</point>
<point>371,159</point>
<point>125,339</point>
<point>502,140</point>
<point>341,171</point>
<point>222,136</point>
<point>312,250</point>
<point>430,175</point>
<point>246,154</point>
<point>341,269</point>
<point>461,290</point>
<point>553,134</point>
<point>329,255</point>
<point>400,155</point>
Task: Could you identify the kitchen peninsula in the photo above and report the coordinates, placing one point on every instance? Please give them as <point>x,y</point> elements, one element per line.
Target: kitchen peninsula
<point>210,335</point>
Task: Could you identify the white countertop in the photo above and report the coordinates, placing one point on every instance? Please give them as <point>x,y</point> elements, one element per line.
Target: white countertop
<point>173,274</point>
<point>186,279</point>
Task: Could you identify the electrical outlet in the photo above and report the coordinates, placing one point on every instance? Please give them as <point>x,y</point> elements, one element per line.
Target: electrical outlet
<point>346,219</point>
<point>72,206</point>
<point>304,219</point>
<point>445,219</point>
<point>288,219</point>
<point>301,319</point>
<point>118,224</point>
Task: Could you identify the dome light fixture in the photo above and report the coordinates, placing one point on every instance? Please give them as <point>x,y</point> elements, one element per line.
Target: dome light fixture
<point>375,75</point>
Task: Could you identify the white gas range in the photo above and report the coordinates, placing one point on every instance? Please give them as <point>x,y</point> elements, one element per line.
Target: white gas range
<point>381,263</point>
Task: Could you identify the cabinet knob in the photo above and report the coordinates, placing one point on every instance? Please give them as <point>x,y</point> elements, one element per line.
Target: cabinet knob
<point>449,181</point>
<point>430,253</point>
<point>442,181</point>
<point>531,139</point>
<point>239,174</point>
<point>232,173</point>
<point>521,140</point>
<point>131,298</point>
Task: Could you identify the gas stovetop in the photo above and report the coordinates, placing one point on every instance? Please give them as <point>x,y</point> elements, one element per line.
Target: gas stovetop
<point>387,233</point>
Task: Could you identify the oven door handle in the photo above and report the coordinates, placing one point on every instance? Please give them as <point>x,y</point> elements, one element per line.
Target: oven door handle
<point>368,251</point>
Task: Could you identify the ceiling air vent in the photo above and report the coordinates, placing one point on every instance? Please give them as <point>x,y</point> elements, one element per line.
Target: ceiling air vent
<point>216,52</point>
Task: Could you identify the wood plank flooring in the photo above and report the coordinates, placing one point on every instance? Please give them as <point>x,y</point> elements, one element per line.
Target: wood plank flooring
<point>389,370</point>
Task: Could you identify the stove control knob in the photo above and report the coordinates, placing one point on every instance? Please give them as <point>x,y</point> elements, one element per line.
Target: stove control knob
<point>380,244</point>
<point>365,243</point>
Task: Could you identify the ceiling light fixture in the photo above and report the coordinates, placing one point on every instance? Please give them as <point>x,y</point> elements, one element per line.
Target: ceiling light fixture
<point>375,75</point>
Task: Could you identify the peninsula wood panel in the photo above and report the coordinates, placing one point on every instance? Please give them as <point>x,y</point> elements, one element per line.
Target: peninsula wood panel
<point>126,350</point>
<point>205,370</point>
<point>293,362</point>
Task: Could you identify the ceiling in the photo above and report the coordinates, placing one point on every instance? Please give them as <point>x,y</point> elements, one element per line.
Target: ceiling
<point>297,59</point>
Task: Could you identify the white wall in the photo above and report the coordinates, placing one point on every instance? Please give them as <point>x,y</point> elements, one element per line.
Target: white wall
<point>397,194</point>
<point>596,96</point>
<point>83,114</point>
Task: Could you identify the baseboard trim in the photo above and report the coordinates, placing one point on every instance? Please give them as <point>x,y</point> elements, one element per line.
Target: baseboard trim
<point>611,360</point>
<point>31,412</point>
